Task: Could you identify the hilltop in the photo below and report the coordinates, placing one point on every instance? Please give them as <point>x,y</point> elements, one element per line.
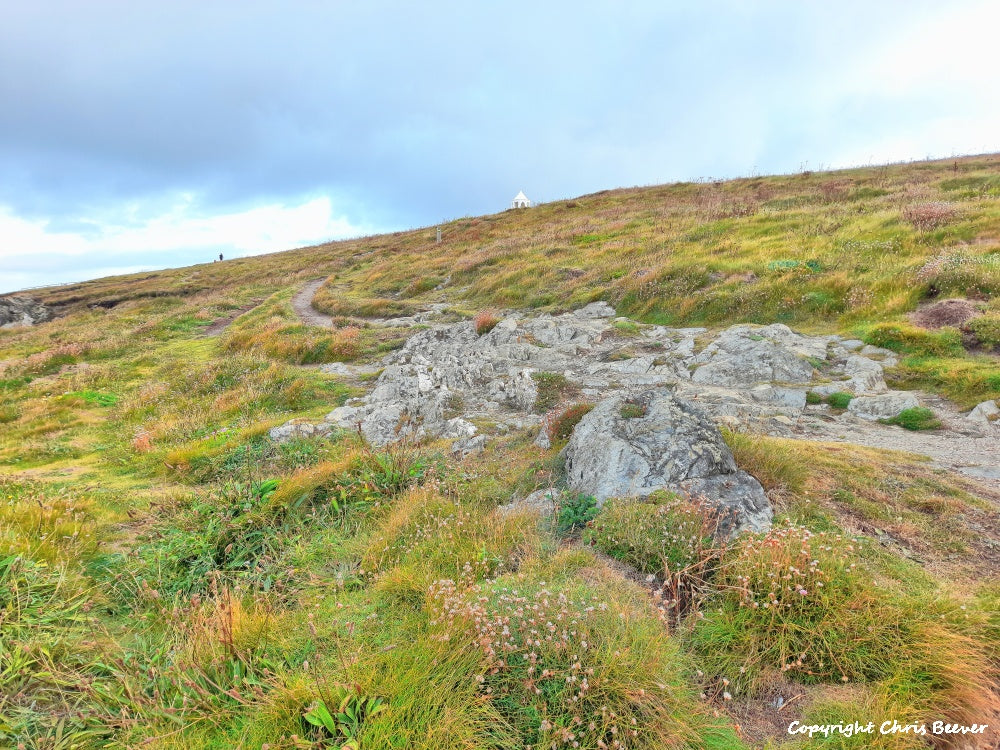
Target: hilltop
<point>484,492</point>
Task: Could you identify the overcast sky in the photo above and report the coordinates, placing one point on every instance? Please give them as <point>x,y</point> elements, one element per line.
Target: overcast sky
<point>138,135</point>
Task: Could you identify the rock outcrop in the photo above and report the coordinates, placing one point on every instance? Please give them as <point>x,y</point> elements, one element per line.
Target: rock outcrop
<point>22,311</point>
<point>448,378</point>
<point>449,382</point>
<point>743,356</point>
<point>638,443</point>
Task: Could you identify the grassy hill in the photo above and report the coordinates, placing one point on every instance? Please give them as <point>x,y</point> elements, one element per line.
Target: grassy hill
<point>171,578</point>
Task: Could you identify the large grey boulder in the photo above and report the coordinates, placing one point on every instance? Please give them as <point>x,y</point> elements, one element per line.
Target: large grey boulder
<point>673,445</point>
<point>743,356</point>
<point>885,406</point>
<point>22,311</point>
<point>747,376</point>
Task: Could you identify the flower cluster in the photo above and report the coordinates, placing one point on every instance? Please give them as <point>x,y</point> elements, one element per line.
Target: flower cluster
<point>927,216</point>
<point>788,568</point>
<point>538,648</point>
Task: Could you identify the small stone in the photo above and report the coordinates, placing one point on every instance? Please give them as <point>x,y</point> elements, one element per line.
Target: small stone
<point>543,502</point>
<point>985,414</point>
<point>294,430</point>
<point>596,310</point>
<point>336,368</point>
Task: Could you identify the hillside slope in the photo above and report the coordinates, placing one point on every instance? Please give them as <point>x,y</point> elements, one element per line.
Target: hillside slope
<point>171,576</point>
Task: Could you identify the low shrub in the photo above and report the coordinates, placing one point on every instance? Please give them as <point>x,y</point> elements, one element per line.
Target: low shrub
<point>576,510</point>
<point>928,216</point>
<point>917,418</point>
<point>659,534</point>
<point>797,602</point>
<point>570,667</point>
<point>552,388</point>
<point>962,273</point>
<point>813,398</point>
<point>663,535</point>
<point>564,421</point>
<point>485,321</point>
<point>632,410</point>
<point>986,329</point>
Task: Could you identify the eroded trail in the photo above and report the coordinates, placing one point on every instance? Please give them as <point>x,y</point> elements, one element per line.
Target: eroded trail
<point>972,453</point>
<point>220,325</point>
<point>302,305</point>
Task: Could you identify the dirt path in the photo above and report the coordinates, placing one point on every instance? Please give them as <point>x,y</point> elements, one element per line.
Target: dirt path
<point>220,325</point>
<point>958,447</point>
<point>302,305</point>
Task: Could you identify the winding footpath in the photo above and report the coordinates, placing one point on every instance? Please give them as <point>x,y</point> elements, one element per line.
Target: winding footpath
<point>302,305</point>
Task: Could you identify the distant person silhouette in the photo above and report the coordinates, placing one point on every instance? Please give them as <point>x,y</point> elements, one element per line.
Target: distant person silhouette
<point>220,256</point>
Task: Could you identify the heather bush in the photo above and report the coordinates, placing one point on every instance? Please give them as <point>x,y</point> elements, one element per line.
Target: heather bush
<point>928,216</point>
<point>560,423</point>
<point>485,321</point>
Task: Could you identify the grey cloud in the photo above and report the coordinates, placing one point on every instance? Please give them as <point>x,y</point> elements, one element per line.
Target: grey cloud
<point>405,113</point>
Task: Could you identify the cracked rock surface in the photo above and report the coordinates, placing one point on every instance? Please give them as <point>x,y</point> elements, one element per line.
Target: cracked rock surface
<point>662,443</point>
<point>449,382</point>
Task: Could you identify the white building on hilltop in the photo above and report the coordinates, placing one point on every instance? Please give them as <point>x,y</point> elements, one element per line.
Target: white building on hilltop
<point>520,201</point>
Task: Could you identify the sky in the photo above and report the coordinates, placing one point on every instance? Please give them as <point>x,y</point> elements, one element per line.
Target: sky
<point>138,135</point>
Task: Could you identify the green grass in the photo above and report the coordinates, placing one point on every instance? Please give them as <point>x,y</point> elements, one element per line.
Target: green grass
<point>839,400</point>
<point>553,389</point>
<point>917,418</point>
<point>171,578</point>
<point>662,535</point>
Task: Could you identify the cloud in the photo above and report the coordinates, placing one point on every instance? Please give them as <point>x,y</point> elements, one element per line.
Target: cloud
<point>32,253</point>
<point>403,115</point>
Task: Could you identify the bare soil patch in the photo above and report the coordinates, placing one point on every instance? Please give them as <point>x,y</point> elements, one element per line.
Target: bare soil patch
<point>221,324</point>
<point>302,305</point>
<point>947,312</point>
